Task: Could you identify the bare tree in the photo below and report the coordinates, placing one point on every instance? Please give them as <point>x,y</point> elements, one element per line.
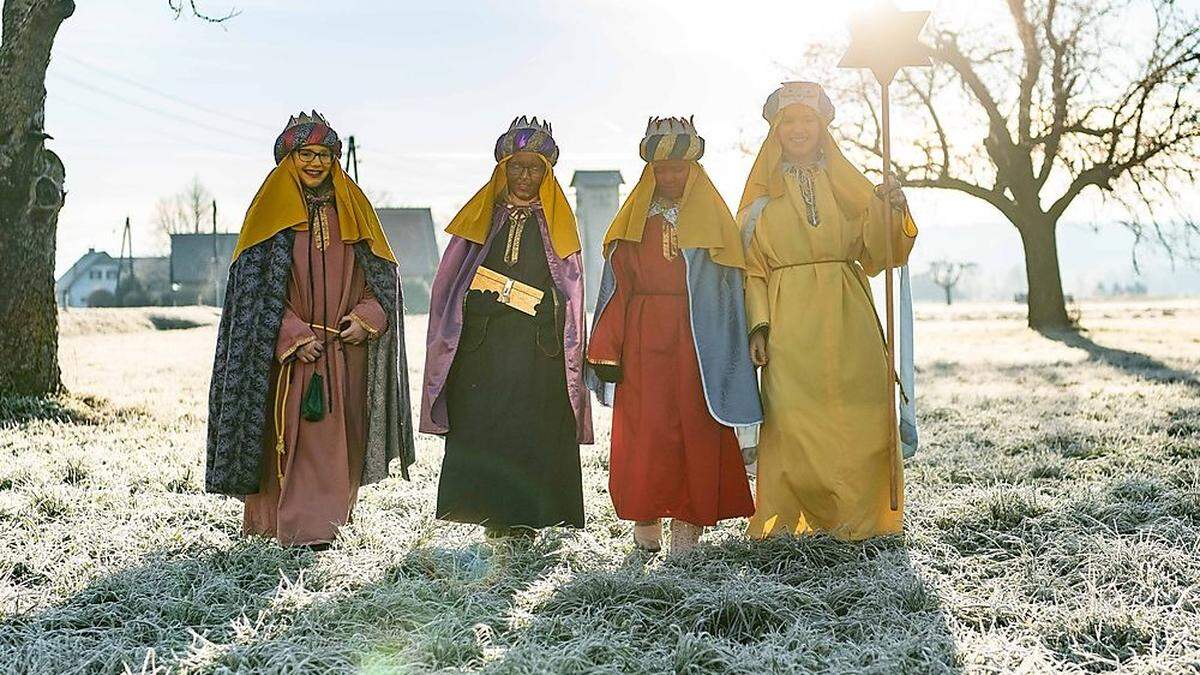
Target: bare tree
<point>32,191</point>
<point>189,210</point>
<point>380,198</point>
<point>1052,100</point>
<point>196,202</point>
<point>947,274</point>
<point>170,217</point>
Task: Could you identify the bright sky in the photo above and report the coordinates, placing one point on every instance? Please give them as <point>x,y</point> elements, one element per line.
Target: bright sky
<point>139,103</point>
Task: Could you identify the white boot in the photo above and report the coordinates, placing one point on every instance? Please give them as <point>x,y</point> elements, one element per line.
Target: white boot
<point>684,536</point>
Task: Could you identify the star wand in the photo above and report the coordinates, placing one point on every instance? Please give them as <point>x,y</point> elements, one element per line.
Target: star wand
<point>884,40</point>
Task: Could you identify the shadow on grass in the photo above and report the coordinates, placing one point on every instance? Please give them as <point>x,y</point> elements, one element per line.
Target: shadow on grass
<point>1132,363</point>
<point>165,322</point>
<point>150,611</point>
<point>812,604</point>
<point>787,605</point>
<point>435,609</point>
<point>63,408</point>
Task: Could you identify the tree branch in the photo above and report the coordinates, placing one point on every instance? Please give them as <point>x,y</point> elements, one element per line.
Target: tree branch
<point>992,196</point>
<point>926,98</point>
<point>178,6</point>
<point>1027,32</point>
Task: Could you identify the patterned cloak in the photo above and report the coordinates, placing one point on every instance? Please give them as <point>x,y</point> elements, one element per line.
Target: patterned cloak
<point>237,402</point>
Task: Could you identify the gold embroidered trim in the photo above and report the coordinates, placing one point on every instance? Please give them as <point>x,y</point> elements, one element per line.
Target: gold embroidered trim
<point>288,354</point>
<point>603,362</point>
<point>516,228</point>
<point>321,228</point>
<point>670,244</point>
<point>364,323</point>
<point>669,211</point>
<point>806,179</point>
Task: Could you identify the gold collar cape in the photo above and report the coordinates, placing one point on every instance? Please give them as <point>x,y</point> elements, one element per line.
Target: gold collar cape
<point>704,218</point>
<point>280,205</point>
<point>474,220</point>
<point>851,189</point>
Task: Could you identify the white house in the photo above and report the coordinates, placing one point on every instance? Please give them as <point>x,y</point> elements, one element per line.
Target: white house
<point>95,271</point>
<point>92,280</point>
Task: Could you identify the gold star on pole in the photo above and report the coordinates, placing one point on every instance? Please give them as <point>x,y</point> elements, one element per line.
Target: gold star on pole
<point>884,40</point>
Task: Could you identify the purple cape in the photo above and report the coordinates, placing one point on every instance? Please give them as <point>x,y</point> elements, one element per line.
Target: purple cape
<point>459,263</point>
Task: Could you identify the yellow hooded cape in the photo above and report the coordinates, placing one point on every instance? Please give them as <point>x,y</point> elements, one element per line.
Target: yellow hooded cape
<point>704,218</point>
<point>851,189</point>
<point>279,205</point>
<point>474,220</point>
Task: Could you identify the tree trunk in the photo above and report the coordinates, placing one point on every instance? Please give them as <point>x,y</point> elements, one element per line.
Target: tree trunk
<point>31,194</point>
<point>948,290</point>
<point>1047,308</point>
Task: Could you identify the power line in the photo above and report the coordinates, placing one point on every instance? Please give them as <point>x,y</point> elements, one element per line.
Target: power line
<point>171,97</point>
<point>159,133</point>
<point>156,111</point>
<point>385,163</point>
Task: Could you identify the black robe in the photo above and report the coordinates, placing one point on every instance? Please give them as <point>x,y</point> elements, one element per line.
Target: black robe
<point>512,457</point>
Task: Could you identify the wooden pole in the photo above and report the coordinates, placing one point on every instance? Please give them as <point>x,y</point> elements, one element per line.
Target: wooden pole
<point>126,243</point>
<point>889,259</point>
<point>884,41</point>
<point>352,159</point>
<point>216,266</point>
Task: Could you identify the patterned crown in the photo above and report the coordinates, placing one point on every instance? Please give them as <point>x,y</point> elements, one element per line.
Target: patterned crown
<point>306,129</point>
<point>808,94</point>
<point>671,138</point>
<point>528,135</point>
<point>306,118</point>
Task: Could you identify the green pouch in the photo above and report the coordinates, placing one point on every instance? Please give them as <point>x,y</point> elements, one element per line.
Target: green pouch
<point>312,404</point>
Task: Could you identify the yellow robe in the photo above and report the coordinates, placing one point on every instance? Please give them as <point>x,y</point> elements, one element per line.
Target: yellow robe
<point>823,451</point>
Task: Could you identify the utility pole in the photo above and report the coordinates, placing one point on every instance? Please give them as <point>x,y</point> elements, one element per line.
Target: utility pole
<point>126,246</point>
<point>352,159</point>
<point>216,265</point>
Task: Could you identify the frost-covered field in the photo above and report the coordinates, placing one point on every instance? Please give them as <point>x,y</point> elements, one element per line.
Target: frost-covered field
<point>1053,526</point>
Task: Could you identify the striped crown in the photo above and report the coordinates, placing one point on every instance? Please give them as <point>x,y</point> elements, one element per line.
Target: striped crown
<point>671,138</point>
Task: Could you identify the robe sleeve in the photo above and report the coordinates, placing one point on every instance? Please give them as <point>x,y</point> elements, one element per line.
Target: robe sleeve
<point>293,334</point>
<point>369,314</point>
<point>758,311</point>
<point>874,237</point>
<point>608,336</point>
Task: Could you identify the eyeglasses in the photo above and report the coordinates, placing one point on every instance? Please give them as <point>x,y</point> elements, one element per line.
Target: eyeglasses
<point>530,169</point>
<point>310,155</point>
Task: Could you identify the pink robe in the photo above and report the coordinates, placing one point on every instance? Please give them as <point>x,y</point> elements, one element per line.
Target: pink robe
<point>322,460</point>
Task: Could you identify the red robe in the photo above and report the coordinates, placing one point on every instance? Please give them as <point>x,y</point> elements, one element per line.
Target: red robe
<point>670,458</point>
